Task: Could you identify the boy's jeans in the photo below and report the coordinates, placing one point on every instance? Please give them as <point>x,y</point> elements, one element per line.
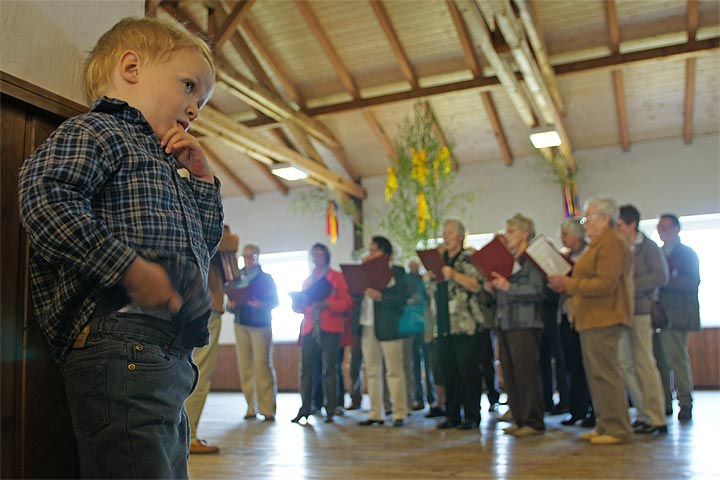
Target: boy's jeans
<point>126,389</point>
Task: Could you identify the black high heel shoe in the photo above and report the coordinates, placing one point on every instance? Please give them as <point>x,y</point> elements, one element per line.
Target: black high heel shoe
<point>571,420</point>
<point>299,417</point>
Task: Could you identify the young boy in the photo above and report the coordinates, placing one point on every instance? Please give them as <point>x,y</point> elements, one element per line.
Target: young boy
<point>123,214</point>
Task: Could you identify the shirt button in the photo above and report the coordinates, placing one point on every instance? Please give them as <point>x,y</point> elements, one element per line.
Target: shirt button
<point>139,347</point>
<point>132,367</point>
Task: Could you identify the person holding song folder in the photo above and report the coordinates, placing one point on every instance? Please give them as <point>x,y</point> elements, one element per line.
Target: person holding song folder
<point>462,311</point>
<point>520,326</point>
<point>253,335</point>
<point>325,302</point>
<point>376,320</point>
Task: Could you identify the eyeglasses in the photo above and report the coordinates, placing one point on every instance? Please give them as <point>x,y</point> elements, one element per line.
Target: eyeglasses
<point>585,219</point>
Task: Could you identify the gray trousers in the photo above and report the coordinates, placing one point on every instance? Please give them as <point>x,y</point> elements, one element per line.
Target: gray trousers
<point>324,353</point>
<point>641,373</point>
<point>605,380</point>
<point>671,353</point>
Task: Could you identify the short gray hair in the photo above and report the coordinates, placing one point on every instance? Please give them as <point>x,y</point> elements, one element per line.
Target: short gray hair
<point>459,227</point>
<point>254,247</point>
<point>573,227</point>
<point>605,206</point>
<point>521,222</point>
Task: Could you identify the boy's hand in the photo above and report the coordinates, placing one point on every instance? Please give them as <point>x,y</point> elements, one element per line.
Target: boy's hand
<point>187,150</point>
<point>148,285</point>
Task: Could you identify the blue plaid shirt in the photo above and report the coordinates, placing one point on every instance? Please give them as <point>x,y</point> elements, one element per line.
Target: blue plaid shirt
<point>98,193</point>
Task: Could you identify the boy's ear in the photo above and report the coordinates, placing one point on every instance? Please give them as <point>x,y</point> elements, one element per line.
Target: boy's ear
<point>130,66</point>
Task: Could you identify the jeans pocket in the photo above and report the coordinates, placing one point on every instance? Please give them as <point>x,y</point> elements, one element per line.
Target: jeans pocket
<point>87,398</point>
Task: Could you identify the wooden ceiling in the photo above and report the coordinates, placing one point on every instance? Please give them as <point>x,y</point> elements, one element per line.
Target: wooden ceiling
<point>324,84</point>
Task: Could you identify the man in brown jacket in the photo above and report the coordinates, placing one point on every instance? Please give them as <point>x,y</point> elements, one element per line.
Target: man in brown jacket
<point>602,292</point>
<point>206,357</point>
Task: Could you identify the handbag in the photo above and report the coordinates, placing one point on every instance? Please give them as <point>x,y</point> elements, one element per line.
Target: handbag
<point>412,320</point>
<point>658,316</point>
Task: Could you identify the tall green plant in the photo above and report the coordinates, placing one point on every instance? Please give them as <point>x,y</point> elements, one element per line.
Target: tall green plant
<point>421,186</point>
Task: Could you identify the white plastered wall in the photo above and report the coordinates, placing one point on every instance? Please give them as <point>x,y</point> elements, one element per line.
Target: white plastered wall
<point>46,42</point>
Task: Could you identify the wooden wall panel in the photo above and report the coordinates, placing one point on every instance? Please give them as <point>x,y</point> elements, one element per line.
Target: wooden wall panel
<point>37,437</point>
<point>704,348</point>
<point>704,356</point>
<point>286,358</point>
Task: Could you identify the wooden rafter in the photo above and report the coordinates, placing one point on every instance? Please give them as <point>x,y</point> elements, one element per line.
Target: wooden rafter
<point>612,25</point>
<point>345,77</point>
<point>215,124</point>
<point>693,13</point>
<point>272,105</point>
<point>535,35</point>
<point>407,69</point>
<point>229,27</point>
<point>290,88</point>
<point>690,69</point>
<point>621,107</point>
<point>497,127</point>
<point>609,62</point>
<point>299,134</point>
<point>502,70</point>
<point>215,160</point>
<point>474,64</point>
<point>465,41</point>
<point>617,75</point>
<point>268,101</point>
<point>380,134</point>
<point>515,38</point>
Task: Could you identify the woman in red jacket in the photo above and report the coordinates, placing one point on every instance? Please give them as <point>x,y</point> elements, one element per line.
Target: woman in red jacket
<point>325,301</point>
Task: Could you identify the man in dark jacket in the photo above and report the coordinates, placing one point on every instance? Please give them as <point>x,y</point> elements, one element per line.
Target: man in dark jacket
<point>679,299</point>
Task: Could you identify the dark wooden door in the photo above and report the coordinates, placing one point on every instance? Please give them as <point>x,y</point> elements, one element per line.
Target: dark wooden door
<point>36,433</point>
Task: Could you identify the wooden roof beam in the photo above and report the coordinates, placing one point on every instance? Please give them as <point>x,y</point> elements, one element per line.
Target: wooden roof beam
<point>610,62</point>
<point>407,70</point>
<point>690,69</point>
<point>272,105</point>
<point>689,110</point>
<point>345,77</point>
<point>215,159</point>
<point>380,134</point>
<point>290,88</point>
<point>515,37</point>
<point>230,25</point>
<point>621,108</point>
<point>535,36</point>
<point>471,57</point>
<point>497,127</point>
<point>298,133</point>
<point>215,124</point>
<point>503,72</point>
<point>617,76</point>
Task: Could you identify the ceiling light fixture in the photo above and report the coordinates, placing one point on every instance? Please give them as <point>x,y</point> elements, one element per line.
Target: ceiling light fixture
<point>288,172</point>
<point>544,137</point>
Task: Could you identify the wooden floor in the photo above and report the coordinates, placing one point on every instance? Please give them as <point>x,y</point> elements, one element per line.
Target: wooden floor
<point>344,450</point>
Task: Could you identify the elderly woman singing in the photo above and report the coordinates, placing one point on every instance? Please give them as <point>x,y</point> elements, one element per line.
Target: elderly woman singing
<point>601,287</point>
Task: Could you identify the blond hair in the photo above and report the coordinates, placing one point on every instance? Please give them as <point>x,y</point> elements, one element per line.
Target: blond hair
<point>152,38</point>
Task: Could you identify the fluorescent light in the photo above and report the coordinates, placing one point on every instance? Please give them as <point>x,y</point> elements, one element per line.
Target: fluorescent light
<point>288,172</point>
<point>545,137</point>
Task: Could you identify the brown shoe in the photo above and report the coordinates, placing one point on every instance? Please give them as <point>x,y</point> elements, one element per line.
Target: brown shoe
<point>200,446</point>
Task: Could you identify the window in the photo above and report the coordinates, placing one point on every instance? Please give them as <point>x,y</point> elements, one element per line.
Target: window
<point>288,269</point>
<point>702,234</point>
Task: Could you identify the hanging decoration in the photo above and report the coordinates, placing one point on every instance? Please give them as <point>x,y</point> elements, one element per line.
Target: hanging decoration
<point>556,169</point>
<point>420,187</point>
<point>331,220</point>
